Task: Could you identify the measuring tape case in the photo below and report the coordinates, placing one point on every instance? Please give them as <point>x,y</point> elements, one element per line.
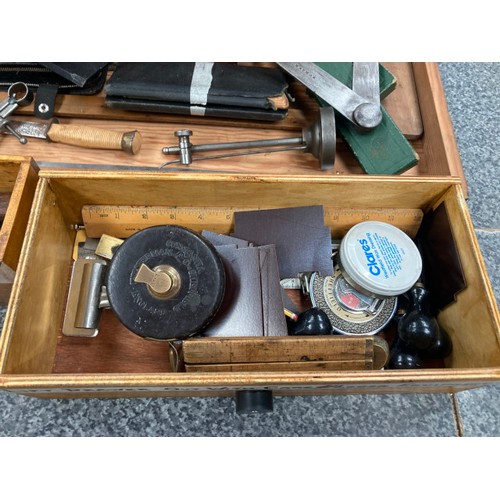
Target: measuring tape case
<point>35,358</point>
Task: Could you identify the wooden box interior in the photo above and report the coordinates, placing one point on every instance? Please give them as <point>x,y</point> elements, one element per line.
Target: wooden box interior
<point>32,342</point>
<point>18,178</point>
<point>417,106</point>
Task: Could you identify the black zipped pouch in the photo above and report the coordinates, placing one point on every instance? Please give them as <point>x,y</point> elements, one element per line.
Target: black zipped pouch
<point>47,80</point>
<point>201,89</point>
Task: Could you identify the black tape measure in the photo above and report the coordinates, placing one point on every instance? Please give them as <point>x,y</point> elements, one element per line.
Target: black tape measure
<point>165,282</point>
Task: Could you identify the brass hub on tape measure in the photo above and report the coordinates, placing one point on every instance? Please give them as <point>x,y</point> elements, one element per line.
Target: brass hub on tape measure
<point>165,282</point>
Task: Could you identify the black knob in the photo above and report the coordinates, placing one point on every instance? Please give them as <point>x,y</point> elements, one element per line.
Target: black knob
<point>313,321</point>
<point>441,348</point>
<point>418,328</point>
<point>254,401</point>
<point>403,357</point>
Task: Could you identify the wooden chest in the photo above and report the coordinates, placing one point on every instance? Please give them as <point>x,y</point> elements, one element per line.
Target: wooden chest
<point>35,359</point>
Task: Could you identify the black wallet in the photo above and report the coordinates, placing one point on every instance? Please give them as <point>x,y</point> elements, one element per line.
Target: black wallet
<point>202,89</point>
<point>47,80</point>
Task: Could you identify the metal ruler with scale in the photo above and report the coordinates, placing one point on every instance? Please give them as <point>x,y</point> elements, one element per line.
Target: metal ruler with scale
<point>122,221</point>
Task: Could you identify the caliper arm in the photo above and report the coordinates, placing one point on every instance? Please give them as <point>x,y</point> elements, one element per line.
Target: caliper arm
<point>360,105</point>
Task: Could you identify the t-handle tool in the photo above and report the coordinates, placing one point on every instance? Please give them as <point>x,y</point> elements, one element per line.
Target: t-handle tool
<point>18,94</point>
<point>360,105</point>
<point>319,139</point>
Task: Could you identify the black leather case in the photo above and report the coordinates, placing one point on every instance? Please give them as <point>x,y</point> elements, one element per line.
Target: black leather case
<point>71,78</point>
<point>46,80</point>
<point>202,89</point>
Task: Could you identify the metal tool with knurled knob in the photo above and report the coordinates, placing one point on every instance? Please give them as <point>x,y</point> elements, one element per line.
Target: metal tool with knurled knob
<point>319,139</point>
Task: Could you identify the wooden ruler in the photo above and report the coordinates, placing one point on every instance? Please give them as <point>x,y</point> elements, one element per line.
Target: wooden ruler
<point>122,221</point>
<point>314,353</point>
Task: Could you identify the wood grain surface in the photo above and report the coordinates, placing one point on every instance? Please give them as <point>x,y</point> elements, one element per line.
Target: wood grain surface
<point>114,350</point>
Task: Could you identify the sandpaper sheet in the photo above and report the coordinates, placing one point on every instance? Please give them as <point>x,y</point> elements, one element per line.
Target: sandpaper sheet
<point>241,311</point>
<point>224,239</point>
<point>272,302</point>
<point>252,304</point>
<point>303,242</point>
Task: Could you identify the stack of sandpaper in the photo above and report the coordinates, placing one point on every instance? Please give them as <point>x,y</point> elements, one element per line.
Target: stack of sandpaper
<point>267,246</point>
<point>252,302</point>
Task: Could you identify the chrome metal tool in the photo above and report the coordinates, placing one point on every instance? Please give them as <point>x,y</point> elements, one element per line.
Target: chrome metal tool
<point>360,105</point>
<point>86,294</point>
<point>319,139</point>
<point>18,94</point>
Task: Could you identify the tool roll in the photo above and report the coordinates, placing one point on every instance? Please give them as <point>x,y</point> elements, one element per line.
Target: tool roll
<point>203,89</point>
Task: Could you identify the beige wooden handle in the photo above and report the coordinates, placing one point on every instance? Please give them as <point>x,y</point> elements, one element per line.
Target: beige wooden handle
<point>95,138</point>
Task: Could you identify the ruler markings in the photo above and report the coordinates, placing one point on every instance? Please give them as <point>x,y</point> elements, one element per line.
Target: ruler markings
<point>122,221</point>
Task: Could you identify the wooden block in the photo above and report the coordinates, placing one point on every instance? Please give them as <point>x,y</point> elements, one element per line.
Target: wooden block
<point>290,354</point>
<point>382,151</point>
<point>281,352</point>
<point>299,366</point>
<point>402,104</point>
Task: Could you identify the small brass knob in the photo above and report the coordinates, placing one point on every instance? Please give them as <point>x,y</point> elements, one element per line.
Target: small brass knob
<point>163,282</point>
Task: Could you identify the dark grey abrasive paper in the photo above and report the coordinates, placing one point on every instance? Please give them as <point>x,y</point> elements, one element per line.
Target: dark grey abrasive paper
<point>303,242</point>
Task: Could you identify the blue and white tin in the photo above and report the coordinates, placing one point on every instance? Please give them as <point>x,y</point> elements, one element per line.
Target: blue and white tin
<point>379,259</point>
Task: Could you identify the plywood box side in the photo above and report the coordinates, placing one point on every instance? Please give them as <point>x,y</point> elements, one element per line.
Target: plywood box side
<point>16,218</point>
<point>211,384</point>
<point>29,335</point>
<point>64,393</point>
<point>439,146</point>
<point>11,168</point>
<point>475,309</point>
<point>205,190</point>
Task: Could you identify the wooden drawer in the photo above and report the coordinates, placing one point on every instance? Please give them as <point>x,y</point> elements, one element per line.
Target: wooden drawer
<point>18,178</point>
<point>35,359</point>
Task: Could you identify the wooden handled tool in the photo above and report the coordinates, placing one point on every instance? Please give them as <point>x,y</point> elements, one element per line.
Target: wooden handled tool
<point>95,138</point>
<point>78,135</point>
